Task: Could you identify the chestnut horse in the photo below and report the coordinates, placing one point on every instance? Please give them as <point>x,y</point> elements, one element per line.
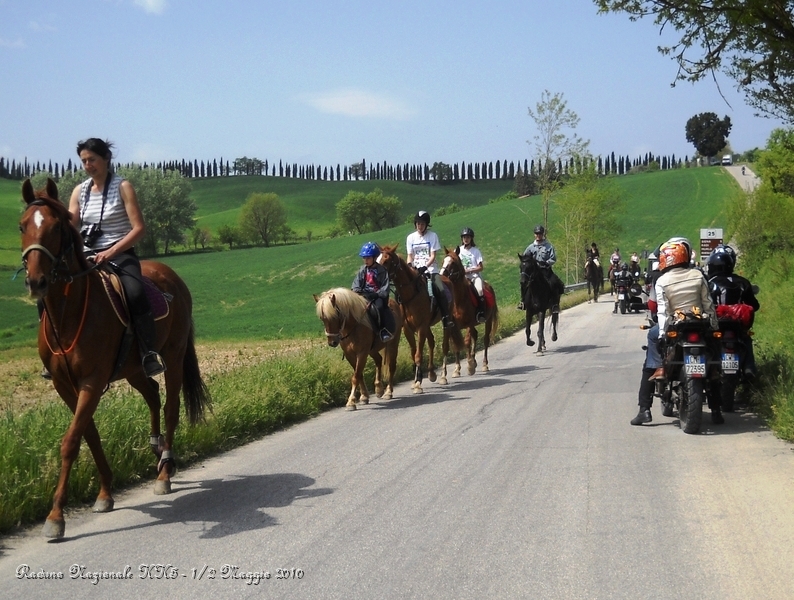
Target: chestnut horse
<point>593,275</point>
<point>411,292</point>
<point>465,314</point>
<point>79,337</point>
<point>347,324</point>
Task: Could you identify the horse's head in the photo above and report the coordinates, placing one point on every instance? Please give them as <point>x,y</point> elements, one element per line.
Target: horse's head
<point>334,308</point>
<point>528,267</point>
<point>452,266</point>
<point>48,238</point>
<point>393,262</point>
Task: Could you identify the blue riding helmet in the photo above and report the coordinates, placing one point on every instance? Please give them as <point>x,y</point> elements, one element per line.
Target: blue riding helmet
<point>369,250</point>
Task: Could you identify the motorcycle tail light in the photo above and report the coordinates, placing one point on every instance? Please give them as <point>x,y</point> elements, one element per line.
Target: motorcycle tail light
<point>672,334</point>
<point>693,337</point>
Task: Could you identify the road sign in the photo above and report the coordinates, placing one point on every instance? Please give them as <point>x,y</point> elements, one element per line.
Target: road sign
<point>709,239</point>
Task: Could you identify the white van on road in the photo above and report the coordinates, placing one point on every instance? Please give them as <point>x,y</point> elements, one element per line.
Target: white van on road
<point>727,159</point>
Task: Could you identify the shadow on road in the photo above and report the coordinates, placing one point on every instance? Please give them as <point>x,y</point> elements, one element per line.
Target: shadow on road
<point>223,507</point>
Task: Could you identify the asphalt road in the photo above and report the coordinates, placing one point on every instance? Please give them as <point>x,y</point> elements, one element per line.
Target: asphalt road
<point>526,482</point>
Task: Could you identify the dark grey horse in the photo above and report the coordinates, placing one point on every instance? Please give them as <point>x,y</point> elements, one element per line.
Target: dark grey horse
<point>538,296</point>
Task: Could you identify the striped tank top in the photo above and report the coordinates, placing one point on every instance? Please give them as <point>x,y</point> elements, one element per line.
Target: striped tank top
<point>115,222</point>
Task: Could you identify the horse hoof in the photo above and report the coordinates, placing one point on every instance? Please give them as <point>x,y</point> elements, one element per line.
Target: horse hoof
<point>530,342</point>
<point>472,370</point>
<point>387,396</point>
<point>553,337</point>
<point>54,530</point>
<point>443,381</point>
<point>162,487</point>
<point>431,376</point>
<point>485,369</point>
<point>418,390</point>
<point>351,407</point>
<point>103,505</point>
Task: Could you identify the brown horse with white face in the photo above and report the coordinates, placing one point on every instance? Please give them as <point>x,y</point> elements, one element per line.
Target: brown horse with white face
<point>465,314</point>
<point>347,324</point>
<point>79,340</point>
<point>411,291</point>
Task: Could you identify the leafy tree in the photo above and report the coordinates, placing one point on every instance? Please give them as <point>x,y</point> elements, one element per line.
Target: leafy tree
<point>553,119</point>
<point>228,234</point>
<point>165,203</point>
<point>446,210</point>
<point>441,172</point>
<point>588,206</point>
<point>201,236</point>
<point>752,41</point>
<point>262,217</point>
<point>525,184</point>
<point>356,170</point>
<point>361,212</point>
<point>708,133</point>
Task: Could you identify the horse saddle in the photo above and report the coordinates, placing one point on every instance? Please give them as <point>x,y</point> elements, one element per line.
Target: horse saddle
<point>487,292</point>
<point>158,300</point>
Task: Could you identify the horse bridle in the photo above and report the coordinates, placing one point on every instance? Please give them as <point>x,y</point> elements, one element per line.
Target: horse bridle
<point>410,283</point>
<point>57,260</point>
<point>338,335</point>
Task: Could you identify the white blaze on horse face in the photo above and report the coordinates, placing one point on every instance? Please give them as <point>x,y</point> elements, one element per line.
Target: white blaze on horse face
<point>445,265</point>
<point>38,219</point>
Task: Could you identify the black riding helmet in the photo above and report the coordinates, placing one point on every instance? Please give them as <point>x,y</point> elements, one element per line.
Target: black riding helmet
<point>540,229</point>
<point>422,215</point>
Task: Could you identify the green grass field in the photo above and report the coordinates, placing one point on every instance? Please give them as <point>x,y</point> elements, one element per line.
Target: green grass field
<point>266,293</point>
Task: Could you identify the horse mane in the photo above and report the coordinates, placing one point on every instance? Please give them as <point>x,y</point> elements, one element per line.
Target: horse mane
<point>347,302</point>
<point>65,217</point>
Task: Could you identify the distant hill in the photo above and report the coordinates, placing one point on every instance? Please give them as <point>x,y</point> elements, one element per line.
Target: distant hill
<point>265,293</point>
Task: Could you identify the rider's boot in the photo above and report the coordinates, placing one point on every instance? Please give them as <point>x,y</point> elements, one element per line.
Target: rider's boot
<point>716,416</point>
<point>147,336</point>
<point>480,309</point>
<point>645,399</point>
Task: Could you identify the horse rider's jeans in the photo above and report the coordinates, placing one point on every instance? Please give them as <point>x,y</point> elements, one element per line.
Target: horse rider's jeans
<point>653,359</point>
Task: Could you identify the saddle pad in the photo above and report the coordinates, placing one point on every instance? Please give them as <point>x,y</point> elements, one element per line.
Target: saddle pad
<point>118,300</point>
<point>487,292</point>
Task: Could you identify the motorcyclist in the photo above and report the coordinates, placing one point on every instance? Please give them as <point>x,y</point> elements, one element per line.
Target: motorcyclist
<point>726,289</point>
<point>422,246</point>
<point>653,358</point>
<point>372,282</point>
<point>625,277</point>
<point>681,288</point>
<point>545,255</point>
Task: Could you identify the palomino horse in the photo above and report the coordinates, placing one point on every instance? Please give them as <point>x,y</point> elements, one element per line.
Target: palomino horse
<point>594,275</point>
<point>347,324</point>
<point>78,339</point>
<point>538,297</point>
<point>465,314</point>
<point>411,292</point>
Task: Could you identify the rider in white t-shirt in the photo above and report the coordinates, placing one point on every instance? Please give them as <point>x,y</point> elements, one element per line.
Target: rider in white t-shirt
<point>422,246</point>
<point>471,257</point>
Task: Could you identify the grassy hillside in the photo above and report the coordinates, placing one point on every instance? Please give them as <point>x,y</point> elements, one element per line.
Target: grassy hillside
<point>266,293</point>
<point>311,204</point>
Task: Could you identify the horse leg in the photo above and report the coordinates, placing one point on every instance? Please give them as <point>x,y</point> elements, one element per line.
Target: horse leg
<point>554,317</point>
<point>444,352</point>
<point>471,347</point>
<point>485,341</point>
<point>528,328</point>
<point>378,359</point>
<point>390,360</point>
<point>83,408</point>
<point>418,373</point>
<point>541,332</point>
<point>431,347</point>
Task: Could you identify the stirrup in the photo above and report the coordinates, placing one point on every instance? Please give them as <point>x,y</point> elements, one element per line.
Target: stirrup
<point>152,364</point>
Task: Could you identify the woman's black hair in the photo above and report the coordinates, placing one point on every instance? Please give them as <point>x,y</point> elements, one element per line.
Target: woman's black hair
<point>97,146</point>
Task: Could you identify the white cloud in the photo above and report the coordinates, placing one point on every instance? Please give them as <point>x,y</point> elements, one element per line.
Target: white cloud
<point>358,103</point>
<point>18,43</point>
<point>36,26</point>
<point>155,7</point>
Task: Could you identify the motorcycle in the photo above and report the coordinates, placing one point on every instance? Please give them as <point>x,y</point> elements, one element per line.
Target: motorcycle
<point>629,295</point>
<point>732,356</point>
<point>687,360</point>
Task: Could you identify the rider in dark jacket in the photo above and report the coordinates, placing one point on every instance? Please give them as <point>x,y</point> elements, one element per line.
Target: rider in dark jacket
<point>728,288</point>
<point>372,282</point>
<point>624,277</point>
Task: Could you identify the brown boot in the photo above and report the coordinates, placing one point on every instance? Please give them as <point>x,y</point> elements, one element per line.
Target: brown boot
<point>657,374</point>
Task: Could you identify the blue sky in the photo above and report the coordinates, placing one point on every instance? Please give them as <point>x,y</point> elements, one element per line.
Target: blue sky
<point>332,82</point>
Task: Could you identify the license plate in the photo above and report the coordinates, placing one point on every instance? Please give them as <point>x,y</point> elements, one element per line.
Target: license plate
<point>621,297</point>
<point>730,363</point>
<point>695,366</point>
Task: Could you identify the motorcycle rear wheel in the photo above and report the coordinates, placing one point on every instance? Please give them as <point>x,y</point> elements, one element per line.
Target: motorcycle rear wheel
<point>690,412</point>
<point>623,307</point>
<point>728,391</point>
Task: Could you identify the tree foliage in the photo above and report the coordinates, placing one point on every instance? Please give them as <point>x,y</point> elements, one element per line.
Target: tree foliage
<point>708,133</point>
<point>554,141</point>
<point>588,206</point>
<point>262,218</point>
<point>762,222</point>
<point>752,41</point>
<point>360,212</point>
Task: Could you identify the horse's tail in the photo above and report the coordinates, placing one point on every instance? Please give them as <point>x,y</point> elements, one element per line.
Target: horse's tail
<point>197,396</point>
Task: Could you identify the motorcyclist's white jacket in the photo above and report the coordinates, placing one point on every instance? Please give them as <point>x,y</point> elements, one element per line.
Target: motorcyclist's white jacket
<point>681,289</point>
